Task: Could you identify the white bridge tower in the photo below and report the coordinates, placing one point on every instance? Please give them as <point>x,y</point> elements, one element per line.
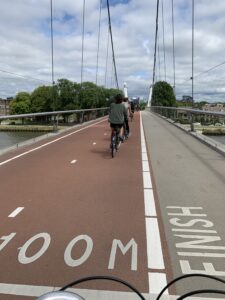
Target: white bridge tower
<point>125,90</point>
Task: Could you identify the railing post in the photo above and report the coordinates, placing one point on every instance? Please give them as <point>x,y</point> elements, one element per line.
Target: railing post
<point>192,122</point>
<point>82,117</point>
<point>55,123</point>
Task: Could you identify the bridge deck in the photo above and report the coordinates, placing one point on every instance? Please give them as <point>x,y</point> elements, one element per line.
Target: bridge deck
<point>69,210</point>
<point>188,174</point>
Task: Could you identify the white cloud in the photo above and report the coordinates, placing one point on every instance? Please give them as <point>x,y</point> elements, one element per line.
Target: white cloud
<point>25,45</point>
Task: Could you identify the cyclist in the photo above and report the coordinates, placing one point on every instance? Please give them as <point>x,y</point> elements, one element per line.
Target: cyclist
<point>132,106</point>
<point>117,115</point>
<point>129,113</point>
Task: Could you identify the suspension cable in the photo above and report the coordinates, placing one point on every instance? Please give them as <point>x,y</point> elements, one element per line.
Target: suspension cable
<point>192,76</point>
<point>113,53</point>
<point>52,48</point>
<point>174,79</point>
<point>82,56</point>
<point>204,72</point>
<point>99,32</point>
<point>156,34</point>
<point>52,44</point>
<point>112,74</point>
<point>25,77</point>
<point>159,60</point>
<point>107,55</point>
<point>164,40</point>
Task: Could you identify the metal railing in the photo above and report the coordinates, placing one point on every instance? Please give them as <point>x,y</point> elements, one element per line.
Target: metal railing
<point>192,117</point>
<point>53,119</point>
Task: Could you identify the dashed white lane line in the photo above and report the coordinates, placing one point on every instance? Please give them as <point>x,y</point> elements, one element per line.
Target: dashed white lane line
<point>150,210</point>
<point>49,143</point>
<point>157,281</point>
<point>147,180</point>
<point>94,143</point>
<point>144,156</point>
<point>145,166</point>
<point>73,161</point>
<point>16,212</point>
<point>155,257</point>
<point>154,248</point>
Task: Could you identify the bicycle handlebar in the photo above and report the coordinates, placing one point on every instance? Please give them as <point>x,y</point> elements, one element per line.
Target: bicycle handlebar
<point>62,295</point>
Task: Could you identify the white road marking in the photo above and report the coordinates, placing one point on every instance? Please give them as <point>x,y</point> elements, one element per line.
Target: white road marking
<point>199,254</point>
<point>157,281</point>
<point>144,150</point>
<point>144,156</point>
<point>150,210</point>
<point>16,212</point>
<point>194,230</point>
<point>94,143</point>
<point>145,166</point>
<point>49,143</point>
<point>147,180</point>
<point>154,248</point>
<point>73,161</point>
<point>37,291</point>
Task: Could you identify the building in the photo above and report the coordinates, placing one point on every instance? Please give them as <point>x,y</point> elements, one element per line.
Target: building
<point>5,105</point>
<point>213,107</point>
<point>187,99</point>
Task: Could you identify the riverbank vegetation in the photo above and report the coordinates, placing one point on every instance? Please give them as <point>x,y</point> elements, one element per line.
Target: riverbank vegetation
<point>163,94</point>
<point>64,95</point>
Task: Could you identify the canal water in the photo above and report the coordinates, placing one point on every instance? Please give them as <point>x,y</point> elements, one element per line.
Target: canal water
<point>8,139</point>
<point>218,138</point>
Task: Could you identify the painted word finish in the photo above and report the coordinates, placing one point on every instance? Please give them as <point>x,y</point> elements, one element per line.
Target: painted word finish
<point>196,237</point>
<point>45,237</point>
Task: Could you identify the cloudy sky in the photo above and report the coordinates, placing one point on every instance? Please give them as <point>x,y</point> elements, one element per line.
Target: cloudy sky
<point>25,44</point>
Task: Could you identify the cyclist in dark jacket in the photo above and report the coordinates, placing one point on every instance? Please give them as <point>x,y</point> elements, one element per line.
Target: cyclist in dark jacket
<point>117,115</point>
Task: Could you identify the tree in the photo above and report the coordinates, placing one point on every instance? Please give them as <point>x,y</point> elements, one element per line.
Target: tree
<point>88,95</point>
<point>163,94</point>
<point>21,104</point>
<point>41,99</point>
<point>111,93</point>
<point>143,105</point>
<point>64,95</point>
<point>67,94</point>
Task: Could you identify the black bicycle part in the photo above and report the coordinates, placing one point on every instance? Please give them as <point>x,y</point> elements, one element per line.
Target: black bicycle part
<point>186,276</point>
<point>90,278</point>
<point>206,291</point>
<point>113,144</point>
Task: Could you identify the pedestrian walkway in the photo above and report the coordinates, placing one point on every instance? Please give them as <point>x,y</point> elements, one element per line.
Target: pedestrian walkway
<point>189,178</point>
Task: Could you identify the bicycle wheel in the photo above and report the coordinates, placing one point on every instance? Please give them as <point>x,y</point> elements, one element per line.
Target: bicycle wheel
<point>113,146</point>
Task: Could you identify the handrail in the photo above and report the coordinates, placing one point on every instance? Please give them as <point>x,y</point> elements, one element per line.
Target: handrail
<point>52,113</point>
<point>192,111</point>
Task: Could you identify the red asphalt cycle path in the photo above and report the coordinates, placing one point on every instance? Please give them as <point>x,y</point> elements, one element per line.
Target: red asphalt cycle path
<point>96,196</point>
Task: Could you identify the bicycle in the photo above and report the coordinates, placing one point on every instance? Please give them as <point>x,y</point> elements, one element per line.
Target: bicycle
<point>132,116</point>
<point>64,295</point>
<point>115,141</point>
<point>125,131</point>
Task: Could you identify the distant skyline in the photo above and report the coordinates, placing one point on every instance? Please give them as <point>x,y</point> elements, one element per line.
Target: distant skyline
<point>25,44</point>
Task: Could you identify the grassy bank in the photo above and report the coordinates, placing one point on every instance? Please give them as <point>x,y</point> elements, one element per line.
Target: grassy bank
<point>27,128</point>
<point>213,131</point>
